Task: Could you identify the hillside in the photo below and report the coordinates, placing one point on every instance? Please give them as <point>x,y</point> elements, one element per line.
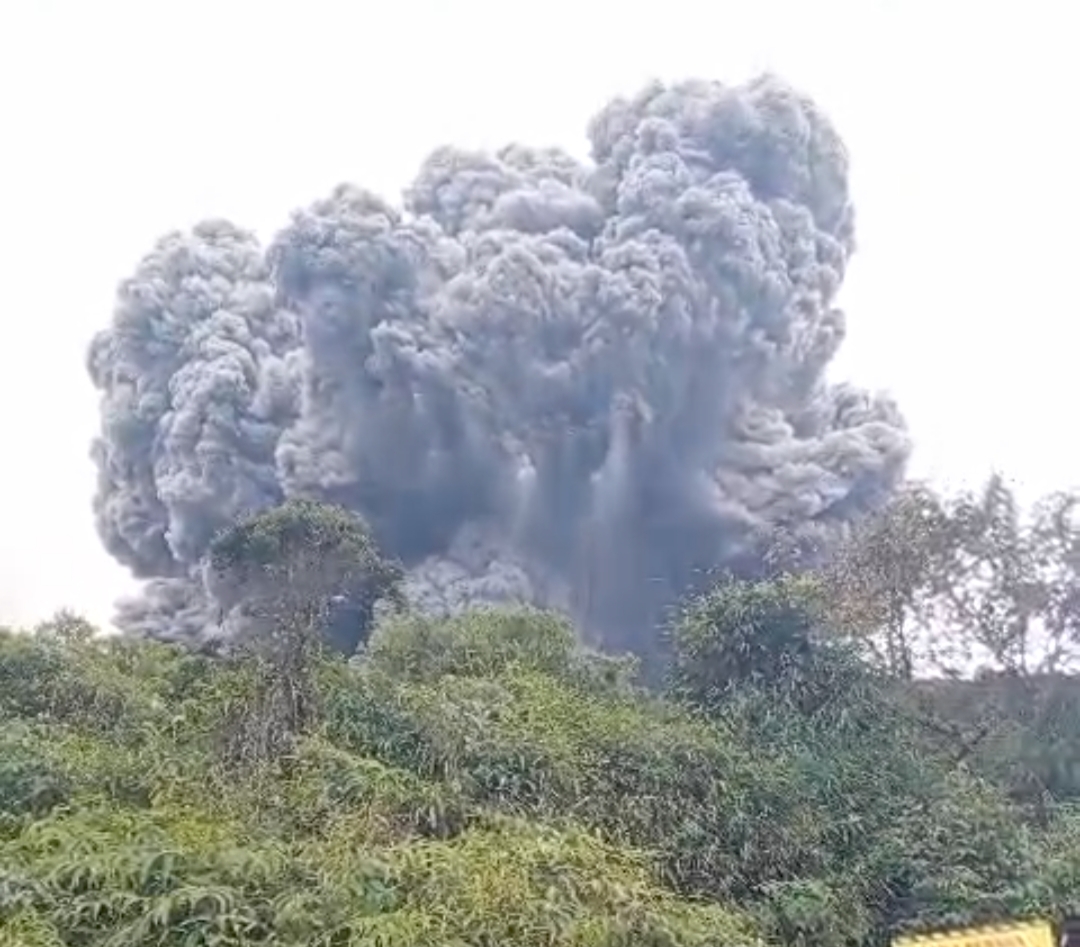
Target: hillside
<point>483,781</point>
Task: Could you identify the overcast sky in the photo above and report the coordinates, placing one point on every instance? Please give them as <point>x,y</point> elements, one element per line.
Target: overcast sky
<point>123,120</point>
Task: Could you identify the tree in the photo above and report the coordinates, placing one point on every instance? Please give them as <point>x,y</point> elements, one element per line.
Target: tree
<point>761,640</point>
<point>969,587</point>
<point>961,585</point>
<point>877,585</point>
<point>283,574</point>
<point>296,564</point>
<point>1015,582</point>
<point>740,633</point>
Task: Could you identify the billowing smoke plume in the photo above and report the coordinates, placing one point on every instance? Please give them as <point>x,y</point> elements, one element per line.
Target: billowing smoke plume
<point>585,386</point>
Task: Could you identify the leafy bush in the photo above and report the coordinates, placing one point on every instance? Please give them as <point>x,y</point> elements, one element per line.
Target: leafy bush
<point>482,643</point>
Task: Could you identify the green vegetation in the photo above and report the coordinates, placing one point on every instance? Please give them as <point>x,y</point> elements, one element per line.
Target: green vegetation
<point>284,568</point>
<point>484,780</point>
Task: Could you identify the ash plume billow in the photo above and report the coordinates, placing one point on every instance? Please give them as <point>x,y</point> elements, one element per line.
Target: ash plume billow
<point>584,386</point>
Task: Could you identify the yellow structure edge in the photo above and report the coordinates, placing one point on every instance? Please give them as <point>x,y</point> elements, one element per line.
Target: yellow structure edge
<point>1030,933</point>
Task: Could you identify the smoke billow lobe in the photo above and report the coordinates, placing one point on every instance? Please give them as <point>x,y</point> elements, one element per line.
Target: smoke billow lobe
<point>584,386</point>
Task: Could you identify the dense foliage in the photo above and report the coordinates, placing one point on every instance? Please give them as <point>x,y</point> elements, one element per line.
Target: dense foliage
<point>485,780</point>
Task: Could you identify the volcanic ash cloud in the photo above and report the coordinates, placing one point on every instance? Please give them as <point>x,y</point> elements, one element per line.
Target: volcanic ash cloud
<point>586,386</point>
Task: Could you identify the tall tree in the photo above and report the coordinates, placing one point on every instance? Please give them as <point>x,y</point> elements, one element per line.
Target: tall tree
<point>965,584</point>
<point>285,574</point>
<point>291,566</point>
<point>878,586</point>
<point>1014,588</point>
<point>969,587</point>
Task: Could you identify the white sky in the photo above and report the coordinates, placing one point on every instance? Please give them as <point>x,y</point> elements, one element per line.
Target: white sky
<point>122,120</point>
